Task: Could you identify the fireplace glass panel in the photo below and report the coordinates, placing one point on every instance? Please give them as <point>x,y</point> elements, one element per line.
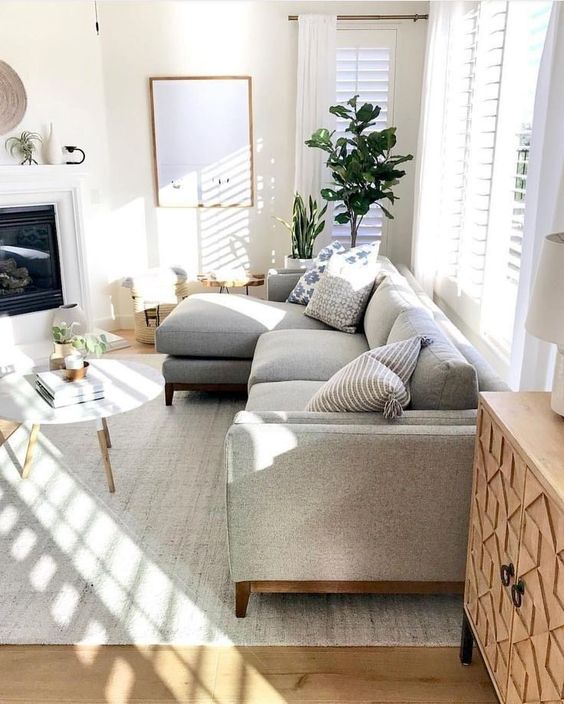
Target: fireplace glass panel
<point>30,274</point>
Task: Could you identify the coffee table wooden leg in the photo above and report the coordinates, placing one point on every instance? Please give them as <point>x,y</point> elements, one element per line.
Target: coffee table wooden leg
<point>30,450</point>
<point>106,432</point>
<point>105,456</point>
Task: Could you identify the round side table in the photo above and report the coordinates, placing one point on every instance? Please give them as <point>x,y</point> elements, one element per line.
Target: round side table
<point>238,282</point>
<point>129,385</point>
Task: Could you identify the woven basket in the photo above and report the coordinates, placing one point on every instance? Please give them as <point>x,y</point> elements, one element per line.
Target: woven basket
<point>148,314</point>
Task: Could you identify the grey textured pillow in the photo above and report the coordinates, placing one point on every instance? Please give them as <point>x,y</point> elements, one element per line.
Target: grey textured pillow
<point>443,379</point>
<point>375,381</point>
<point>341,296</point>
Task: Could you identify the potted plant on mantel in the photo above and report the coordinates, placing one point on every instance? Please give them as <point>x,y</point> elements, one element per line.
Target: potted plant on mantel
<point>24,145</point>
<point>66,342</point>
<point>361,164</point>
<point>306,224</point>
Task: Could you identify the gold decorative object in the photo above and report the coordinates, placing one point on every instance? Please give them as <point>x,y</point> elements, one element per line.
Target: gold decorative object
<point>77,374</point>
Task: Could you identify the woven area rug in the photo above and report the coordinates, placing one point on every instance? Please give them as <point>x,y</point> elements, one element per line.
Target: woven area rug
<point>149,563</point>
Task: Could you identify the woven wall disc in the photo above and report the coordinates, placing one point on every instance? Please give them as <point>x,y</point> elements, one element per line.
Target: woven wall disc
<point>13,98</point>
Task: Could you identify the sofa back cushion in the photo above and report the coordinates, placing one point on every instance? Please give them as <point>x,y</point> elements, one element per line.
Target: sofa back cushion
<point>392,296</point>
<point>443,378</point>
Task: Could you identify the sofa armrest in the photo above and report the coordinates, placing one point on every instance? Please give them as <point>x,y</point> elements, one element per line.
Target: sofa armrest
<point>328,502</point>
<point>279,283</point>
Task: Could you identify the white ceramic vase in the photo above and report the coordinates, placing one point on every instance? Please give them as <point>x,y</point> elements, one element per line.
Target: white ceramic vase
<point>53,148</point>
<point>69,314</point>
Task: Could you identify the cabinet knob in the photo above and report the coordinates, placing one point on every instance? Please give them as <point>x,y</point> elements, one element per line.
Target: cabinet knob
<point>507,572</point>
<point>517,591</point>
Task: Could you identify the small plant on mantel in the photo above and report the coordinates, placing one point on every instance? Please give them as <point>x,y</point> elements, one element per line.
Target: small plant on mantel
<point>24,145</point>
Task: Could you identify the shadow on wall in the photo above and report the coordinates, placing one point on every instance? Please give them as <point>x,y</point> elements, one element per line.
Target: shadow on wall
<point>199,239</point>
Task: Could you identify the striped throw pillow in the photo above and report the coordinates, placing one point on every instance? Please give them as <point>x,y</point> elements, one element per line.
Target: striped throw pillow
<point>375,381</point>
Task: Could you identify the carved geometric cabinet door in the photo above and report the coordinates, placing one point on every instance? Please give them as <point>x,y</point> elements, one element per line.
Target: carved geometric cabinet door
<point>496,507</point>
<point>536,674</point>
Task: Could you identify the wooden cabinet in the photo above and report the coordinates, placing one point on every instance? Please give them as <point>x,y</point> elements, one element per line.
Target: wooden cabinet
<point>514,593</point>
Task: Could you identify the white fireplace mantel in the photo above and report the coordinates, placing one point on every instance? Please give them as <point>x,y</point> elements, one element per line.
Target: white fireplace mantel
<point>63,187</point>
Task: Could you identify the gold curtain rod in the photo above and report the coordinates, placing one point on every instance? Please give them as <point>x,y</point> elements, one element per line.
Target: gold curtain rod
<point>354,18</point>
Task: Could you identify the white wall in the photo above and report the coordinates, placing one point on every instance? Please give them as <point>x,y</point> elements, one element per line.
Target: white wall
<point>55,50</point>
<point>96,91</point>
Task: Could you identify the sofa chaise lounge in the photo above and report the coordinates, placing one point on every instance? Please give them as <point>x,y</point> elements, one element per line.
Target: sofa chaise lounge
<point>335,502</point>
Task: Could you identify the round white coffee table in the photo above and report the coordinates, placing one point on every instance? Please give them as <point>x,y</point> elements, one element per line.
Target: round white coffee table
<point>129,385</point>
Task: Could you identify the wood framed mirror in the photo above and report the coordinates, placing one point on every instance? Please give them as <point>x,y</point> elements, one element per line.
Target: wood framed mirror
<point>202,141</point>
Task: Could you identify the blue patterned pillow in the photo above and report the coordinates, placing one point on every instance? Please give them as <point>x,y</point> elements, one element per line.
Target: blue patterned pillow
<point>301,293</point>
<point>362,253</point>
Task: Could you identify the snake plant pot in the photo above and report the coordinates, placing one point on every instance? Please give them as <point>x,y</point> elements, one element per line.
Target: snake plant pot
<point>292,263</point>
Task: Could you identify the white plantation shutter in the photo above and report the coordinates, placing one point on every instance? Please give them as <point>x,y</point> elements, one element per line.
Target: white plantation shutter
<point>493,57</point>
<point>474,82</point>
<point>364,72</point>
<point>365,68</point>
<point>533,49</point>
<point>456,142</point>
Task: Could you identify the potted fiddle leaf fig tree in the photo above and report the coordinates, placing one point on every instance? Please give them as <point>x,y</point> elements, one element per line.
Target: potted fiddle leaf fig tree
<point>361,163</point>
<point>306,224</point>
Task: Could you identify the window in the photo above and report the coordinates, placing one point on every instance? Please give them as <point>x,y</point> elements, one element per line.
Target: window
<point>365,67</point>
<point>494,59</point>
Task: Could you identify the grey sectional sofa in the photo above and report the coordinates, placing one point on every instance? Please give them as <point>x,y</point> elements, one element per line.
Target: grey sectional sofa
<point>328,502</point>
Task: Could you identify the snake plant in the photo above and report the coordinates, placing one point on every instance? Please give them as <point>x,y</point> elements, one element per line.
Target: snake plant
<point>306,224</point>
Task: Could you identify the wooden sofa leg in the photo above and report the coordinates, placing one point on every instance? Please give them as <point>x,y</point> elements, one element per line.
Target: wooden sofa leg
<point>242,594</point>
<point>169,393</point>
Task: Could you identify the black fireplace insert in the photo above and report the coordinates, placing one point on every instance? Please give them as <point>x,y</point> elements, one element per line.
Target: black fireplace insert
<point>30,270</point>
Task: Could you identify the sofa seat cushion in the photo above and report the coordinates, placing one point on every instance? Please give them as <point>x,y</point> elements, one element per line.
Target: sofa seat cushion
<point>226,325</point>
<point>282,395</point>
<point>311,355</point>
<point>443,379</point>
<point>392,296</point>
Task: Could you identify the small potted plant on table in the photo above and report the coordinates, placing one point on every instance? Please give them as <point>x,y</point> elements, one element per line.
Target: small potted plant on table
<point>66,343</point>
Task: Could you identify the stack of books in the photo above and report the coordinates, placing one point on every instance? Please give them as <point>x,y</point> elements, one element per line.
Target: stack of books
<point>58,391</point>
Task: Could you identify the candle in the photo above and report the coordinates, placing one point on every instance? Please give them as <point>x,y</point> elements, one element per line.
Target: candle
<point>74,361</point>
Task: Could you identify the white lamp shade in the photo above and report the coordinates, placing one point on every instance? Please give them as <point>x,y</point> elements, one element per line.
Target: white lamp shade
<point>545,318</point>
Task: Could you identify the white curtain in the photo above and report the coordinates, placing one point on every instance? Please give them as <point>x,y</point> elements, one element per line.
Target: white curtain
<point>317,46</point>
<point>442,16</point>
<point>532,360</point>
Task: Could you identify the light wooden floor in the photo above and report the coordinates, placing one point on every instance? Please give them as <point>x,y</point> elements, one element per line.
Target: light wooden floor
<point>265,675</point>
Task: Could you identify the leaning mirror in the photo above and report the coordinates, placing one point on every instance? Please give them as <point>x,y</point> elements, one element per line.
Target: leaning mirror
<point>202,141</point>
